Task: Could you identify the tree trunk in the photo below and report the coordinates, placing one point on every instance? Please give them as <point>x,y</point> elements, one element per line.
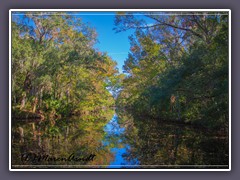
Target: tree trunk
<point>21,133</point>
<point>23,102</point>
<point>35,104</point>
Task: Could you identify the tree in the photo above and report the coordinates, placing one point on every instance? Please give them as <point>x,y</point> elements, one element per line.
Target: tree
<point>55,68</point>
<point>185,56</point>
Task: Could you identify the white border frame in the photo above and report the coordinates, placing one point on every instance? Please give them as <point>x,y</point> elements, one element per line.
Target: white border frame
<point>114,10</point>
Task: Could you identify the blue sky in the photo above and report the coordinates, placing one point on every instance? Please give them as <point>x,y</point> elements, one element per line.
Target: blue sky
<point>115,44</point>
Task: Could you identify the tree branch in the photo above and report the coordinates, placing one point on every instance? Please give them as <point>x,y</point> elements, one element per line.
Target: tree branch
<point>176,27</point>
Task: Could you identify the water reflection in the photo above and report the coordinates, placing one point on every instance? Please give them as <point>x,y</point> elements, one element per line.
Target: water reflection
<point>119,149</point>
<point>159,144</point>
<point>78,137</point>
<point>110,140</point>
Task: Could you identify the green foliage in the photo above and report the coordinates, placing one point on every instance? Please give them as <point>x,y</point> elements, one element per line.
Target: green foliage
<point>185,56</point>
<point>56,68</point>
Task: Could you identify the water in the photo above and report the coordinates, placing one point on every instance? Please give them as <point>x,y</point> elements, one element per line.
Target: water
<point>113,129</point>
<point>116,140</point>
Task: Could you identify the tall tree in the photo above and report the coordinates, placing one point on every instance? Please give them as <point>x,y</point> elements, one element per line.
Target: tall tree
<point>184,56</point>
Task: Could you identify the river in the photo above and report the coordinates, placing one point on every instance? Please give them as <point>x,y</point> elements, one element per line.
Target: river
<point>115,140</point>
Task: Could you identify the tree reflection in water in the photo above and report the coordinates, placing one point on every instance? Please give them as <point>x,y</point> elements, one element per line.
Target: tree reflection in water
<point>169,145</point>
<point>118,141</point>
<point>116,136</point>
<point>79,136</point>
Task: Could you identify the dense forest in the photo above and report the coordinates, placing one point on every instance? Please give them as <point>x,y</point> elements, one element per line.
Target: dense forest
<point>56,71</point>
<point>170,106</point>
<point>177,68</point>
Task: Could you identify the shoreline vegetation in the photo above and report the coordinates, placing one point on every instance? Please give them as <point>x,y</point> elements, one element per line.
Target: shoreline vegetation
<point>177,68</point>
<point>176,74</point>
<point>181,75</point>
<point>56,72</point>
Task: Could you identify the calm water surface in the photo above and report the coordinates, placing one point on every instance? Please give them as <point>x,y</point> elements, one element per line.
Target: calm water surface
<point>115,140</point>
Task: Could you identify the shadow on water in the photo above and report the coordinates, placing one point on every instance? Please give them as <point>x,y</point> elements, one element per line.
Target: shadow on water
<point>115,140</point>
<point>158,144</point>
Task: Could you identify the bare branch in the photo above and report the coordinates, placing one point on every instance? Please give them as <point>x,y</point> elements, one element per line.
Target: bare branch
<point>176,27</point>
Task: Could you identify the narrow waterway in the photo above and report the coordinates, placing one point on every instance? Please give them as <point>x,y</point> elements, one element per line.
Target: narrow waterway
<point>115,140</point>
<point>113,129</point>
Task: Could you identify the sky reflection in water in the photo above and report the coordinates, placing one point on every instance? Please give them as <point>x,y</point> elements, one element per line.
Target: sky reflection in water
<point>113,129</point>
